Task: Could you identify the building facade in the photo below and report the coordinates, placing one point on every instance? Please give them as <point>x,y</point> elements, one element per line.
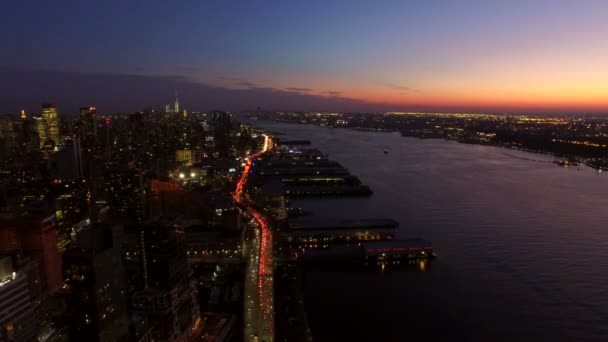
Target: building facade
<point>169,297</point>
<point>17,321</point>
<point>94,282</point>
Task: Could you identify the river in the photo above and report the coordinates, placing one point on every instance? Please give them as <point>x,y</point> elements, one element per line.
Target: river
<point>522,245</point>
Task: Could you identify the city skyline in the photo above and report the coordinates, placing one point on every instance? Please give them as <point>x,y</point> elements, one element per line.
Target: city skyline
<point>544,56</point>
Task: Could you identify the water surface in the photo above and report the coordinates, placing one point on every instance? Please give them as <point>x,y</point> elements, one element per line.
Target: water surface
<point>523,246</point>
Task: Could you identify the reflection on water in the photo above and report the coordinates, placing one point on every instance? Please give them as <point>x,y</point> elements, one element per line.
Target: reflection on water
<point>523,245</point>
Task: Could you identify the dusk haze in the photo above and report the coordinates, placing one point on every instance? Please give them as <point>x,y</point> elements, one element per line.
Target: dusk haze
<point>507,56</point>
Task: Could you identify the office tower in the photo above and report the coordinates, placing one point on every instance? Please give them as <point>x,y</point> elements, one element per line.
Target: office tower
<point>87,130</point>
<point>17,319</point>
<point>220,126</point>
<point>174,107</point>
<point>34,235</point>
<point>49,114</point>
<point>94,282</point>
<point>42,130</point>
<point>169,297</point>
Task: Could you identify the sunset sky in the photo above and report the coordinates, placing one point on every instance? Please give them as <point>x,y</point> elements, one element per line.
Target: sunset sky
<point>390,55</point>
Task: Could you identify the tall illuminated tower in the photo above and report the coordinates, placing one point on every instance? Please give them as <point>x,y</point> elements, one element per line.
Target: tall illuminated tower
<point>176,104</point>
<point>49,114</point>
<point>41,129</point>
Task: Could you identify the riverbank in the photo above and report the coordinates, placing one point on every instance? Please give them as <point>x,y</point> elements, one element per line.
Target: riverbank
<point>594,165</point>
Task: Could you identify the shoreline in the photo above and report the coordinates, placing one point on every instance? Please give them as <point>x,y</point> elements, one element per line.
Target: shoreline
<point>508,147</point>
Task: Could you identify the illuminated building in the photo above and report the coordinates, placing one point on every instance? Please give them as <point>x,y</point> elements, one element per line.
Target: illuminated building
<point>169,297</point>
<point>49,114</point>
<point>70,207</point>
<point>173,108</point>
<point>23,115</point>
<point>183,156</point>
<point>42,130</point>
<point>94,282</point>
<point>17,321</point>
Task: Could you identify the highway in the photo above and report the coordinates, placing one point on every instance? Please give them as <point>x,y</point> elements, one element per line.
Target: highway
<point>258,288</point>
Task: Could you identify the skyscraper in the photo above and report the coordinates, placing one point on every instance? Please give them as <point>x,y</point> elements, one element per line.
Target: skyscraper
<point>49,114</point>
<point>88,126</point>
<point>174,107</point>
<point>42,130</point>
<point>176,104</point>
<point>221,125</point>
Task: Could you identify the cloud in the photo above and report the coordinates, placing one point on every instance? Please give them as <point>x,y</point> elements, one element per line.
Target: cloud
<point>299,90</point>
<point>246,84</point>
<point>402,88</point>
<point>174,69</point>
<point>23,88</point>
<point>233,79</point>
<point>333,93</point>
<point>240,82</point>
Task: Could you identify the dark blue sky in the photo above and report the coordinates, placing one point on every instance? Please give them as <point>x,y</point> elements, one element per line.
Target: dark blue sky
<point>498,55</point>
